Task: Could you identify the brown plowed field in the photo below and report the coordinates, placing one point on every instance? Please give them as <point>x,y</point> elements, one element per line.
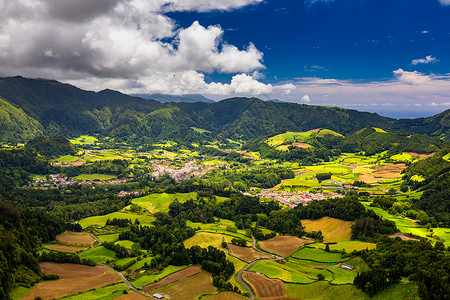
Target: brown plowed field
<point>246,254</point>
<point>265,288</point>
<point>283,245</point>
<point>74,279</point>
<point>75,238</point>
<point>301,145</point>
<point>173,277</point>
<point>64,248</point>
<point>226,296</point>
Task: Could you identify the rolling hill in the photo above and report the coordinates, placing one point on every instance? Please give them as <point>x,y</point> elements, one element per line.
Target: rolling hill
<point>42,106</point>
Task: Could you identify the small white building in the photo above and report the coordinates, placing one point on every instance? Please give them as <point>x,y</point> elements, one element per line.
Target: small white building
<point>158,296</point>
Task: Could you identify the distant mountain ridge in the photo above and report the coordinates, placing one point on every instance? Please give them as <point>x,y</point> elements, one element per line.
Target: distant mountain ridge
<point>42,106</point>
<point>187,98</point>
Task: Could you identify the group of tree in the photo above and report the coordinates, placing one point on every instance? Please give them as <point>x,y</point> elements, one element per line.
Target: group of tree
<point>419,261</point>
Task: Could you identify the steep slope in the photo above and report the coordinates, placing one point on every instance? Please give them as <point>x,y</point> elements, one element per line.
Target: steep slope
<point>15,125</point>
<point>62,109</point>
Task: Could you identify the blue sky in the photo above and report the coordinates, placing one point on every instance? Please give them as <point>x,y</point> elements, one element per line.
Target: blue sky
<point>390,57</point>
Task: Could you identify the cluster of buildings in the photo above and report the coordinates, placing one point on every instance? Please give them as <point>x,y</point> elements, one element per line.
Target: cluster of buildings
<point>295,198</point>
<point>125,193</point>
<point>55,180</point>
<point>189,170</point>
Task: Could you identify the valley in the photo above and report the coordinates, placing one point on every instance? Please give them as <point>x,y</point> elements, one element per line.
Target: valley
<point>221,207</point>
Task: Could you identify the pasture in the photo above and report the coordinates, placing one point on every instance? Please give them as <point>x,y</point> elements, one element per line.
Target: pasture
<point>98,254</point>
<point>94,177</point>
<point>204,239</point>
<point>73,279</point>
<point>160,202</point>
<point>145,219</point>
<point>150,278</point>
<point>83,140</point>
<point>283,245</point>
<point>324,290</point>
<point>318,255</point>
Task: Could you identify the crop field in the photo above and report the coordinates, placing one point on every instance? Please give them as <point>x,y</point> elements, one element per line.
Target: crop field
<point>283,245</point>
<point>173,277</point>
<point>112,291</point>
<point>92,177</point>
<point>245,253</point>
<point>161,202</point>
<point>73,279</point>
<point>265,287</point>
<point>132,295</point>
<point>225,296</point>
<point>188,288</point>
<point>64,248</point>
<point>127,244</point>
<point>145,219</point>
<point>75,238</point>
<point>333,230</point>
<point>204,239</point>
<point>98,254</point>
<point>318,255</point>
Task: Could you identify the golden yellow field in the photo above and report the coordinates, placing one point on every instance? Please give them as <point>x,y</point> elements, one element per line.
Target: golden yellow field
<point>265,287</point>
<point>333,230</point>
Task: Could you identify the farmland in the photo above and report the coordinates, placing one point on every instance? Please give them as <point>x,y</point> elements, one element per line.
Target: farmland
<point>333,230</point>
<point>265,287</point>
<point>73,279</point>
<point>283,245</point>
<point>160,202</point>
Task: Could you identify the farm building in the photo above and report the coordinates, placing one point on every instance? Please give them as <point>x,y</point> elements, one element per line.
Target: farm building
<point>158,296</point>
<point>346,267</point>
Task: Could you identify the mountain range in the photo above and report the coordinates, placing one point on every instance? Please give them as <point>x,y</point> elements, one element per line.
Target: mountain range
<point>32,107</point>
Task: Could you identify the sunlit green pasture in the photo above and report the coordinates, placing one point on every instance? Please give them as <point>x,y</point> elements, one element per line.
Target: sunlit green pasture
<point>98,254</point>
<point>84,139</point>
<point>160,202</point>
<point>147,279</point>
<point>92,177</point>
<point>145,219</point>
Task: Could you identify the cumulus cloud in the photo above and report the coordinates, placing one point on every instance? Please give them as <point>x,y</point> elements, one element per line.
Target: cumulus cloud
<point>445,2</point>
<point>306,99</point>
<point>312,2</point>
<point>428,59</point>
<point>123,41</point>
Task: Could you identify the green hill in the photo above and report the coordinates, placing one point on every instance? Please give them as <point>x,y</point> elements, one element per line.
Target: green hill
<point>15,125</point>
<point>62,109</point>
<point>51,146</point>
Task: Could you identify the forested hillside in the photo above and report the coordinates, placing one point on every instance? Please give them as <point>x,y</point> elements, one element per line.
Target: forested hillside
<point>36,106</point>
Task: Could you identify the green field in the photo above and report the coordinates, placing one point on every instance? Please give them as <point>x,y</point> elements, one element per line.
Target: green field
<point>349,246</point>
<point>407,226</point>
<point>109,237</point>
<point>289,271</point>
<point>318,255</point>
<point>220,226</point>
<point>324,290</point>
<point>126,244</point>
<point>147,279</point>
<point>67,159</point>
<point>92,177</point>
<point>98,254</point>
<point>160,202</point>
<point>84,139</point>
<point>145,219</point>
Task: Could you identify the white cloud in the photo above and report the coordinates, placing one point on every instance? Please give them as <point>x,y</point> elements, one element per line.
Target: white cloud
<point>414,78</point>
<point>425,31</point>
<point>306,99</point>
<point>312,2</point>
<point>445,2</point>
<point>428,59</point>
<point>120,42</point>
